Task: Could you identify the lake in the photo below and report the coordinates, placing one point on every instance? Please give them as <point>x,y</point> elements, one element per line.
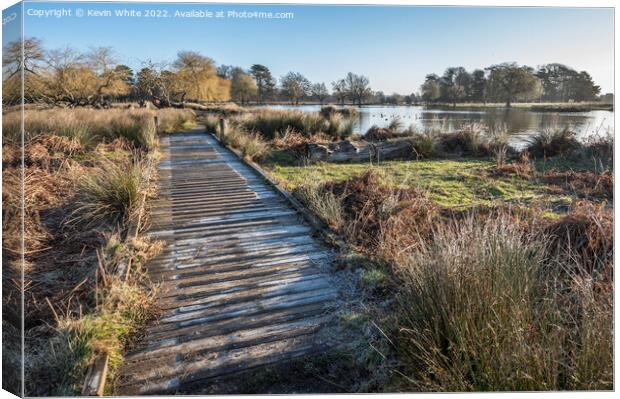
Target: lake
<point>519,123</point>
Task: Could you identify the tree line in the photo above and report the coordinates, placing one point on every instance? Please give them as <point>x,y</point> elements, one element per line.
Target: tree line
<point>69,77</point>
<point>510,82</point>
<point>95,77</point>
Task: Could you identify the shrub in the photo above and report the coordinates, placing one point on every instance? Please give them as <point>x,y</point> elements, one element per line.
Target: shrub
<point>498,146</point>
<point>174,119</point>
<point>334,121</point>
<point>253,147</point>
<point>552,142</point>
<point>600,148</point>
<point>328,111</point>
<point>313,124</point>
<point>271,122</point>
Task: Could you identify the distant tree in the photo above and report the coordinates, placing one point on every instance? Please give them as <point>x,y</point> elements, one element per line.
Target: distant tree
<point>379,97</point>
<point>320,92</point>
<point>583,87</point>
<point>197,78</point>
<point>26,55</point>
<point>509,82</point>
<point>243,88</point>
<point>112,80</point>
<point>67,78</point>
<point>18,64</point>
<point>265,82</point>
<point>357,87</point>
<point>562,83</point>
<point>455,76</point>
<point>295,86</point>
<point>455,93</point>
<point>394,99</point>
<point>430,88</point>
<point>339,89</point>
<point>153,84</point>
<point>225,71</point>
<point>126,73</point>
<point>478,86</point>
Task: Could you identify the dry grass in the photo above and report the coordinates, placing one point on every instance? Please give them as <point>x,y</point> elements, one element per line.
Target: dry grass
<point>92,126</point>
<point>552,142</point>
<point>81,166</point>
<point>57,364</point>
<point>109,194</point>
<point>481,301</point>
<point>251,145</point>
<point>483,309</point>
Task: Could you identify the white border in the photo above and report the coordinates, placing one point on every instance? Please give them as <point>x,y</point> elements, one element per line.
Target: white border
<point>487,3</point>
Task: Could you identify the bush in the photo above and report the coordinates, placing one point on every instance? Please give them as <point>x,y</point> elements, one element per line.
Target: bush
<point>586,234</point>
<point>553,142</point>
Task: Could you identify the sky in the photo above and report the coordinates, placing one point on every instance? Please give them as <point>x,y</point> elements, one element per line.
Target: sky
<point>395,46</point>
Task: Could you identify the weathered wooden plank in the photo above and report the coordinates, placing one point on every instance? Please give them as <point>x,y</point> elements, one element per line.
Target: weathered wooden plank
<point>242,278</point>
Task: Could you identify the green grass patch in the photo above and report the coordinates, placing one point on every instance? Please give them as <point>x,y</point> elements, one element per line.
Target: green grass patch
<point>450,183</point>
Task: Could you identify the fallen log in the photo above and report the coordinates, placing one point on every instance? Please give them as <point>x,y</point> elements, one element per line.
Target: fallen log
<point>358,151</point>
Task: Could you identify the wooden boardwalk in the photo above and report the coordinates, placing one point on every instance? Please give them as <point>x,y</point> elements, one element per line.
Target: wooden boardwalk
<point>244,283</point>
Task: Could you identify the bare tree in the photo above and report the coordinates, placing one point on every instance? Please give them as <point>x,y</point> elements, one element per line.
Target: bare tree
<point>319,91</point>
<point>296,86</point>
<point>358,88</point>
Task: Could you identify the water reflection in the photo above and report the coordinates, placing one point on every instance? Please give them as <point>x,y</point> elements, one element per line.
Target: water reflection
<point>519,123</point>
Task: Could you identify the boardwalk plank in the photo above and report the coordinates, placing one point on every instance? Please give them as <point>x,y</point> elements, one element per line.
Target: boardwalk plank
<point>244,283</point>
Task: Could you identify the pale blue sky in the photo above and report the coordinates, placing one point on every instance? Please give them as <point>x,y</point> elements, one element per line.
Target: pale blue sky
<point>395,46</point>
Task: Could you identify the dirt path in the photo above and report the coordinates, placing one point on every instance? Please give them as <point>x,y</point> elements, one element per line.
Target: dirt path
<point>244,283</point>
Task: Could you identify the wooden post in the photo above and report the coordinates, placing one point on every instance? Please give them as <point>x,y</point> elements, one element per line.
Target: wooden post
<point>222,131</point>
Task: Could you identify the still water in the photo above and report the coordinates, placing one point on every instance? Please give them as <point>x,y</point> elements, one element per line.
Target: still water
<point>518,123</point>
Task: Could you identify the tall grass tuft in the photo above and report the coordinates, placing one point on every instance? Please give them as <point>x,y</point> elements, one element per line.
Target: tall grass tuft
<point>109,194</point>
<point>269,123</point>
<point>324,203</point>
<point>396,124</point>
<point>553,141</point>
<point>251,145</point>
<point>482,309</point>
<point>425,144</point>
